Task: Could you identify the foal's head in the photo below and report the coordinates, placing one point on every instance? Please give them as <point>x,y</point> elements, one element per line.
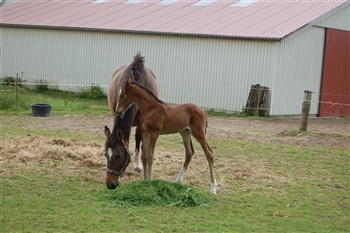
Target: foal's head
<point>124,101</point>
<point>118,157</point>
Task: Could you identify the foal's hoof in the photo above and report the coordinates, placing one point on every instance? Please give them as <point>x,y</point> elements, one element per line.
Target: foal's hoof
<point>138,169</point>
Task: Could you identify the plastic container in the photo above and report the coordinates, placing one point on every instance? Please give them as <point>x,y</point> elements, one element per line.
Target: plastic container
<point>42,110</point>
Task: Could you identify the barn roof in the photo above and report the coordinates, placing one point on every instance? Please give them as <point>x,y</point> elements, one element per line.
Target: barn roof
<point>255,19</point>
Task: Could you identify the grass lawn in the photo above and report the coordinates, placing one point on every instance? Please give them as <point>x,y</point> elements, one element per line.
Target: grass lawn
<point>263,187</point>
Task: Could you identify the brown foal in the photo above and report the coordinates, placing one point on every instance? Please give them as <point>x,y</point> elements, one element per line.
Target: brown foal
<point>159,118</point>
<point>117,139</point>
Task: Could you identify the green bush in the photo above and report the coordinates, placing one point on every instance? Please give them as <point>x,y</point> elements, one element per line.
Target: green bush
<point>8,80</point>
<point>41,86</point>
<point>92,92</point>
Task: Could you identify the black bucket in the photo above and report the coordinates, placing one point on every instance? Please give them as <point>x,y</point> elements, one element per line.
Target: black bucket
<point>43,110</point>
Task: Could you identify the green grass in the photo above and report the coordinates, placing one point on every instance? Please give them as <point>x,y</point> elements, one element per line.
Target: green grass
<point>286,188</point>
<point>18,100</point>
<point>262,187</point>
<point>312,196</point>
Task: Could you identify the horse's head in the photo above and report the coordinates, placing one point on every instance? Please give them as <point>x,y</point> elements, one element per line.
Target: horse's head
<point>124,101</point>
<point>118,157</point>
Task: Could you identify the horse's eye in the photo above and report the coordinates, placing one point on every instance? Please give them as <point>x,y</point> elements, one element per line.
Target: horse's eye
<point>117,156</point>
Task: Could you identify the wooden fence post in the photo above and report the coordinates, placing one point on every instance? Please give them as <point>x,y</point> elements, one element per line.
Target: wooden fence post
<point>256,100</point>
<point>16,83</point>
<point>305,111</point>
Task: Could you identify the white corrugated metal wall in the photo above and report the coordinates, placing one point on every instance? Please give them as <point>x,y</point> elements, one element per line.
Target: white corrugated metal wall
<point>214,73</point>
<point>298,68</point>
<point>340,20</point>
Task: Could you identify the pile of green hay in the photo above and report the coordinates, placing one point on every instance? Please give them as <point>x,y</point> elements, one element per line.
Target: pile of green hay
<point>158,193</point>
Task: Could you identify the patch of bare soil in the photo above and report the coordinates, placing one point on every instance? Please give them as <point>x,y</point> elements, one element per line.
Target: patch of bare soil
<point>60,156</point>
<point>325,132</point>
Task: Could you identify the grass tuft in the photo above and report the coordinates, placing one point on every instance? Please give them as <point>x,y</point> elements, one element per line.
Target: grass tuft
<point>158,193</point>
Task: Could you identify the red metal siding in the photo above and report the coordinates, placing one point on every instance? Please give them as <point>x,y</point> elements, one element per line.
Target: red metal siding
<point>335,93</point>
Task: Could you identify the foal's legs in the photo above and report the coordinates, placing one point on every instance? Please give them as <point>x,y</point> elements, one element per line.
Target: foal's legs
<point>144,148</point>
<point>199,135</point>
<point>148,146</point>
<point>186,138</point>
<point>138,138</point>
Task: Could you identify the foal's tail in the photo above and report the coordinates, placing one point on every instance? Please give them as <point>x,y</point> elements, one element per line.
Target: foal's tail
<point>134,68</point>
<point>206,126</point>
<point>206,121</point>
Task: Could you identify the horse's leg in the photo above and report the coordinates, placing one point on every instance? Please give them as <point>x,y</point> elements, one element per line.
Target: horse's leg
<point>189,151</point>
<point>144,149</point>
<point>148,146</point>
<point>199,135</point>
<point>138,138</point>
<point>150,153</point>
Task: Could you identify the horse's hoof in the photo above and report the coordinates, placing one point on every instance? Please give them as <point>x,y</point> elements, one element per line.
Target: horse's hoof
<point>138,169</point>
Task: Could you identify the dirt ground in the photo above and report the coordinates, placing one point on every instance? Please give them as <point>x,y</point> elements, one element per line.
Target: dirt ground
<point>65,155</point>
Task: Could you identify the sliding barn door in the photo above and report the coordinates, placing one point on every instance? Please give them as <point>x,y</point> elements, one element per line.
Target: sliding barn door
<point>335,90</point>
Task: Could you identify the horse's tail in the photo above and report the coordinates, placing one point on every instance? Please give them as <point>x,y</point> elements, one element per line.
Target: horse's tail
<point>134,68</point>
<point>206,126</point>
<point>191,145</point>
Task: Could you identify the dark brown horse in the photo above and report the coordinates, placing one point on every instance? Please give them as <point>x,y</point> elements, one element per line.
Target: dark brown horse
<point>159,118</point>
<point>117,143</point>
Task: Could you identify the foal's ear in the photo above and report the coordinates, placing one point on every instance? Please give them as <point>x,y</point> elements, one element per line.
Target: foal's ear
<point>107,131</point>
<point>129,80</point>
<point>120,135</point>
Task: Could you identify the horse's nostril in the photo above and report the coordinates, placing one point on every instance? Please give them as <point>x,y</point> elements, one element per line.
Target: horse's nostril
<point>112,185</point>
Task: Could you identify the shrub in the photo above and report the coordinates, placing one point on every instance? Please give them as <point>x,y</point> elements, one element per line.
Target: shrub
<point>8,80</point>
<point>92,92</point>
<point>41,86</point>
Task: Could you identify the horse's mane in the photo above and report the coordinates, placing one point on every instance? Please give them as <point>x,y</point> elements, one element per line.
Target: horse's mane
<point>135,68</point>
<point>149,91</point>
<point>138,65</point>
<point>112,139</point>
